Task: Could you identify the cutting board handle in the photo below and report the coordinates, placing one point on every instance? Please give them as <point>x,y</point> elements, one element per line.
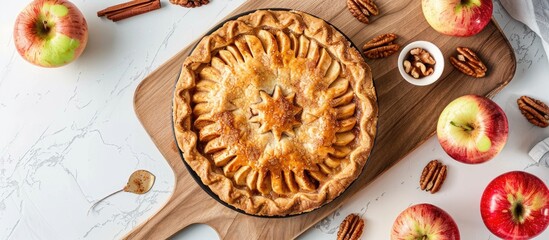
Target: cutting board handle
<point>406,117</point>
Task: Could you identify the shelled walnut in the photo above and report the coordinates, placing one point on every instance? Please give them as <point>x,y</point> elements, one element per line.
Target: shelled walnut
<point>433,176</point>
<point>535,111</point>
<point>419,63</point>
<point>381,46</point>
<point>351,228</point>
<point>362,9</point>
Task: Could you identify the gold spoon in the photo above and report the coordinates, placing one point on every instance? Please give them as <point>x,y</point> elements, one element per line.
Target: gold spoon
<point>140,182</point>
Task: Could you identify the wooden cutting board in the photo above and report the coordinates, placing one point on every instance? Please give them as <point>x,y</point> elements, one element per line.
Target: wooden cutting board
<point>407,114</point>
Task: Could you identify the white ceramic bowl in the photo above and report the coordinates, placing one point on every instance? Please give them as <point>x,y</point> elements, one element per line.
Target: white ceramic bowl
<point>435,53</point>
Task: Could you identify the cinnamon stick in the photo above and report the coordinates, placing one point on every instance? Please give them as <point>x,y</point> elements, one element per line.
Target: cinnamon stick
<point>133,11</point>
<point>121,7</point>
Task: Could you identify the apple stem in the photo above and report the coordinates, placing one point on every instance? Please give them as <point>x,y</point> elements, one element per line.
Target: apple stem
<point>465,127</point>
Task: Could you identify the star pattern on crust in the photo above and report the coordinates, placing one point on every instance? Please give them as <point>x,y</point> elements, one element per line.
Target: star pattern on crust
<point>276,113</point>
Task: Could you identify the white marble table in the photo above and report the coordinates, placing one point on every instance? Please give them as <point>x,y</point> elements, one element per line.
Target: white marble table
<point>69,136</point>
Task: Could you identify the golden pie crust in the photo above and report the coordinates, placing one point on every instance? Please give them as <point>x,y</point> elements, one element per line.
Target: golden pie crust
<point>276,112</point>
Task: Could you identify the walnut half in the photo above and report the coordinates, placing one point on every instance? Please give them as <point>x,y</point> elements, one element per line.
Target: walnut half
<point>419,63</point>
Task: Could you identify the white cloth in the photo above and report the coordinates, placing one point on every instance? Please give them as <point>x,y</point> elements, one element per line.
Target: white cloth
<point>540,152</point>
<point>534,14</point>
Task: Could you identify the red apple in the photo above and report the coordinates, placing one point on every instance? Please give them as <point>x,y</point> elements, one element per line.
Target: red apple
<point>472,129</point>
<point>50,33</point>
<point>426,222</point>
<point>515,205</point>
<point>457,17</point>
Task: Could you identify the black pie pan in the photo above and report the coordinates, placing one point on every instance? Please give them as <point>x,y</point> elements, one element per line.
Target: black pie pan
<point>193,173</point>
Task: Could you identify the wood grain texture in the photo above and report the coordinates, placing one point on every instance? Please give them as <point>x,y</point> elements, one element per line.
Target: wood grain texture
<point>407,114</point>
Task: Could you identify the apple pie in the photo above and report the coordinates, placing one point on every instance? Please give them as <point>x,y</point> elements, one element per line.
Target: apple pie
<point>276,112</point>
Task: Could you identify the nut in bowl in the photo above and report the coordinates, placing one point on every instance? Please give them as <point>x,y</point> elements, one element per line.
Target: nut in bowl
<point>422,71</point>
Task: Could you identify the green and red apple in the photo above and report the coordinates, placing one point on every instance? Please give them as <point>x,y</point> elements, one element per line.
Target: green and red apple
<point>424,222</point>
<point>50,33</point>
<point>472,129</point>
<point>458,17</point>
